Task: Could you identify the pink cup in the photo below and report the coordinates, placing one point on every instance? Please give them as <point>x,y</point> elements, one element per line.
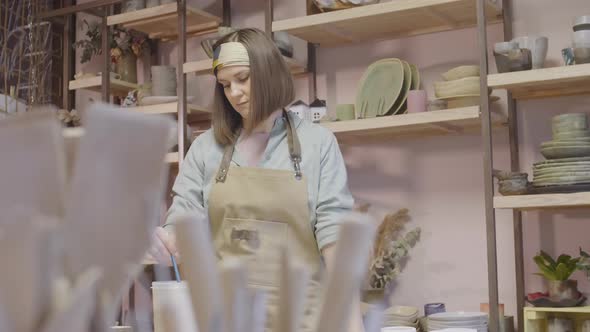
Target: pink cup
<point>417,101</point>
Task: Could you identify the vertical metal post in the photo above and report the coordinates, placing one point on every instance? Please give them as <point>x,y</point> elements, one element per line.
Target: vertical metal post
<point>312,69</point>
<point>181,79</point>
<point>226,8</point>
<point>106,51</point>
<point>269,18</point>
<point>486,132</point>
<point>515,167</point>
<point>69,34</point>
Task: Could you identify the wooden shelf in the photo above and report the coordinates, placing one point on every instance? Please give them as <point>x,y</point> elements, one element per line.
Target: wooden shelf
<point>168,108</point>
<point>171,158</point>
<point>543,201</point>
<point>387,20</point>
<point>203,67</point>
<point>95,83</point>
<point>162,21</point>
<point>451,121</point>
<point>545,82</point>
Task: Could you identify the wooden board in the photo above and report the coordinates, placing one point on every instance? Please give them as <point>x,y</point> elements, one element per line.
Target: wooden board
<point>168,108</point>
<point>172,158</point>
<point>545,82</point>
<point>387,20</point>
<point>451,121</point>
<point>203,67</point>
<point>95,83</point>
<point>542,201</point>
<point>162,21</point>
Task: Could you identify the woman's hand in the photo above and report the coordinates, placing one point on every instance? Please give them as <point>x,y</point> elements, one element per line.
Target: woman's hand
<point>163,245</point>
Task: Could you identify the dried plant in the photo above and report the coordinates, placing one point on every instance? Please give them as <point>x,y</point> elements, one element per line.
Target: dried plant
<point>390,251</point>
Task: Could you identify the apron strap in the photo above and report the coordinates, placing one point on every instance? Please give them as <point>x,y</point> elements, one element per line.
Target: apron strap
<point>294,152</point>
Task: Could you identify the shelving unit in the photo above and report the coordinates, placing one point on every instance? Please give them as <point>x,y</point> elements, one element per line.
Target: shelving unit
<point>95,84</point>
<point>545,82</point>
<point>161,22</point>
<point>536,317</point>
<point>435,123</point>
<point>543,201</point>
<point>203,67</point>
<point>387,20</point>
<point>169,108</point>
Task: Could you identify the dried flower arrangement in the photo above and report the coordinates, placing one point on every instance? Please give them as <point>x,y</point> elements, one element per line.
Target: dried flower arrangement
<point>124,42</point>
<point>391,249</point>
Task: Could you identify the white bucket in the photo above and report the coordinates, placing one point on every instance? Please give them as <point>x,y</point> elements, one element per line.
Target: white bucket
<point>173,309</point>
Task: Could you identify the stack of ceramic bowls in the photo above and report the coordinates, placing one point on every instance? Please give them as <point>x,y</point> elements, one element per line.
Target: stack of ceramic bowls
<point>163,81</point>
<point>581,44</point>
<point>568,153</point>
<point>460,87</point>
<point>451,320</point>
<point>401,316</point>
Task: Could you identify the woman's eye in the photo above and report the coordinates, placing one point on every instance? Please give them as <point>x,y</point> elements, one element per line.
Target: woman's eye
<point>225,87</point>
<point>243,79</point>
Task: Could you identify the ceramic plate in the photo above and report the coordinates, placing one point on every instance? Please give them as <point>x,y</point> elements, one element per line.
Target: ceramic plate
<point>566,151</point>
<point>558,174</point>
<point>564,143</point>
<point>572,165</point>
<point>398,107</point>
<point>559,171</point>
<point>562,160</point>
<point>379,88</point>
<point>458,316</point>
<point>415,77</point>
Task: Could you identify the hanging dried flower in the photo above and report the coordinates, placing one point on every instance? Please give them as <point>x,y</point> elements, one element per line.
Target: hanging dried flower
<point>69,119</point>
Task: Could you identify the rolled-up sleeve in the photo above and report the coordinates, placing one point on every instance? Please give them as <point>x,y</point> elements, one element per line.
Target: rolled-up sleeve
<point>188,187</point>
<point>334,197</point>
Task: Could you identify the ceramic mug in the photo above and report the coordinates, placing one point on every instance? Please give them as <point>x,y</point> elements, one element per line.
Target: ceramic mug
<point>505,47</point>
<point>416,101</point>
<point>538,47</point>
<point>433,308</point>
<point>345,112</point>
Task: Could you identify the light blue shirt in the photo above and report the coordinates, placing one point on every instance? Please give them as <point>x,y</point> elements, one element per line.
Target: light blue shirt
<point>329,197</point>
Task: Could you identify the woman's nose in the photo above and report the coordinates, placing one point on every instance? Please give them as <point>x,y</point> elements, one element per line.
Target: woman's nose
<point>236,91</point>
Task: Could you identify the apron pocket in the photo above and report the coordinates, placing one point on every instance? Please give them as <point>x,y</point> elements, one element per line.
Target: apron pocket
<point>257,243</point>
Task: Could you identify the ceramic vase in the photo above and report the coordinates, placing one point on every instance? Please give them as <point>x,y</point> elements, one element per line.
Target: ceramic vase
<point>126,67</point>
<point>163,80</point>
<point>132,5</point>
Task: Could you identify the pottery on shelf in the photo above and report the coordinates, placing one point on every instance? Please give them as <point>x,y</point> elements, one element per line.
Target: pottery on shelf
<point>126,67</point>
<point>163,80</point>
<point>151,3</point>
<point>563,289</point>
<point>132,5</point>
<point>515,60</point>
<point>461,72</point>
<point>331,5</point>
<point>511,183</point>
<point>458,87</point>
<point>582,23</point>
<point>537,45</point>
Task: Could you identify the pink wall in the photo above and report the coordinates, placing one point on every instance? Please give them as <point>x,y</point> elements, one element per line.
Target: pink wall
<point>441,179</point>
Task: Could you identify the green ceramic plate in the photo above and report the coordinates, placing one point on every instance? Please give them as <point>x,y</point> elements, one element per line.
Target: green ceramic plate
<point>567,168</point>
<point>379,88</point>
<point>573,164</point>
<point>562,180</point>
<point>415,77</point>
<point>564,143</point>
<point>562,160</point>
<point>566,151</point>
<point>561,174</point>
<point>401,99</point>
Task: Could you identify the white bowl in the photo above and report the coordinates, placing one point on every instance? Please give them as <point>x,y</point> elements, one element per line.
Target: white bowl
<point>504,47</point>
<point>582,23</point>
<point>459,316</point>
<point>582,37</point>
<point>398,329</point>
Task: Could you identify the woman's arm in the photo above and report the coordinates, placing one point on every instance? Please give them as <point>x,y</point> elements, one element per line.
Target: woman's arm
<point>355,323</point>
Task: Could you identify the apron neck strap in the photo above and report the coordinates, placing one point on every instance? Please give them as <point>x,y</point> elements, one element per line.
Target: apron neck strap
<point>294,151</point>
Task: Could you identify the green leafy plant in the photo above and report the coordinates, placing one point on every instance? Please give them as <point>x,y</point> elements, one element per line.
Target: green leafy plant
<point>560,269</point>
<point>584,263</point>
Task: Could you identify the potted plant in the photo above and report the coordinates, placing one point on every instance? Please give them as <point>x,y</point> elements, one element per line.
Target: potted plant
<point>558,273</point>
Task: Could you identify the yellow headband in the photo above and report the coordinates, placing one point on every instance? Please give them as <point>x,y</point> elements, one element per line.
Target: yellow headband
<point>230,54</point>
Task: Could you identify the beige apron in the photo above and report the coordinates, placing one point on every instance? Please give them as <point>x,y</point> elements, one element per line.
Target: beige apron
<point>254,212</point>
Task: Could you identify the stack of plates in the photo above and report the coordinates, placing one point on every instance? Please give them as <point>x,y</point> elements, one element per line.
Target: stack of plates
<point>401,316</point>
<point>384,87</point>
<point>449,320</point>
<point>568,153</point>
<point>460,87</point>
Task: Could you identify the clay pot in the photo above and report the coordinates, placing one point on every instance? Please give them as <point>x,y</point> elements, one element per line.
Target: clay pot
<point>563,290</point>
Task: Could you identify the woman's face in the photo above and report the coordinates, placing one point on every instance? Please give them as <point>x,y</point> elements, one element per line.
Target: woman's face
<point>236,87</point>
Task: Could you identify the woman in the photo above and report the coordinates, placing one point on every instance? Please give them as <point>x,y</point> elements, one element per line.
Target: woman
<point>265,177</point>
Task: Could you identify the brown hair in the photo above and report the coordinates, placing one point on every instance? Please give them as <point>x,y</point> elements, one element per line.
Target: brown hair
<point>271,85</point>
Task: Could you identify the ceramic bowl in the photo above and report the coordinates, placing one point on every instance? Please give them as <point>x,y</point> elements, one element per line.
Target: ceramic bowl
<point>582,23</point>
<point>515,186</point>
<point>437,105</point>
<point>505,47</point>
<point>571,134</point>
<point>566,151</point>
<point>461,72</point>
<point>582,36</point>
<point>574,120</point>
<point>460,87</point>
<point>515,60</point>
<point>582,55</point>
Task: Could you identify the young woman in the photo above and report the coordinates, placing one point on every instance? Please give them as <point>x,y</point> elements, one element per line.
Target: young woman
<point>265,178</point>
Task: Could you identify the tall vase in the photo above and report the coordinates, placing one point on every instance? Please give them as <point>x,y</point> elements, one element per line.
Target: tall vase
<point>127,67</point>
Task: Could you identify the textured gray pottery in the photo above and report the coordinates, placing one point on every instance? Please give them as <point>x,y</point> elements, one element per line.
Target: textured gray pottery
<point>132,5</point>
<point>563,289</point>
<point>151,3</point>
